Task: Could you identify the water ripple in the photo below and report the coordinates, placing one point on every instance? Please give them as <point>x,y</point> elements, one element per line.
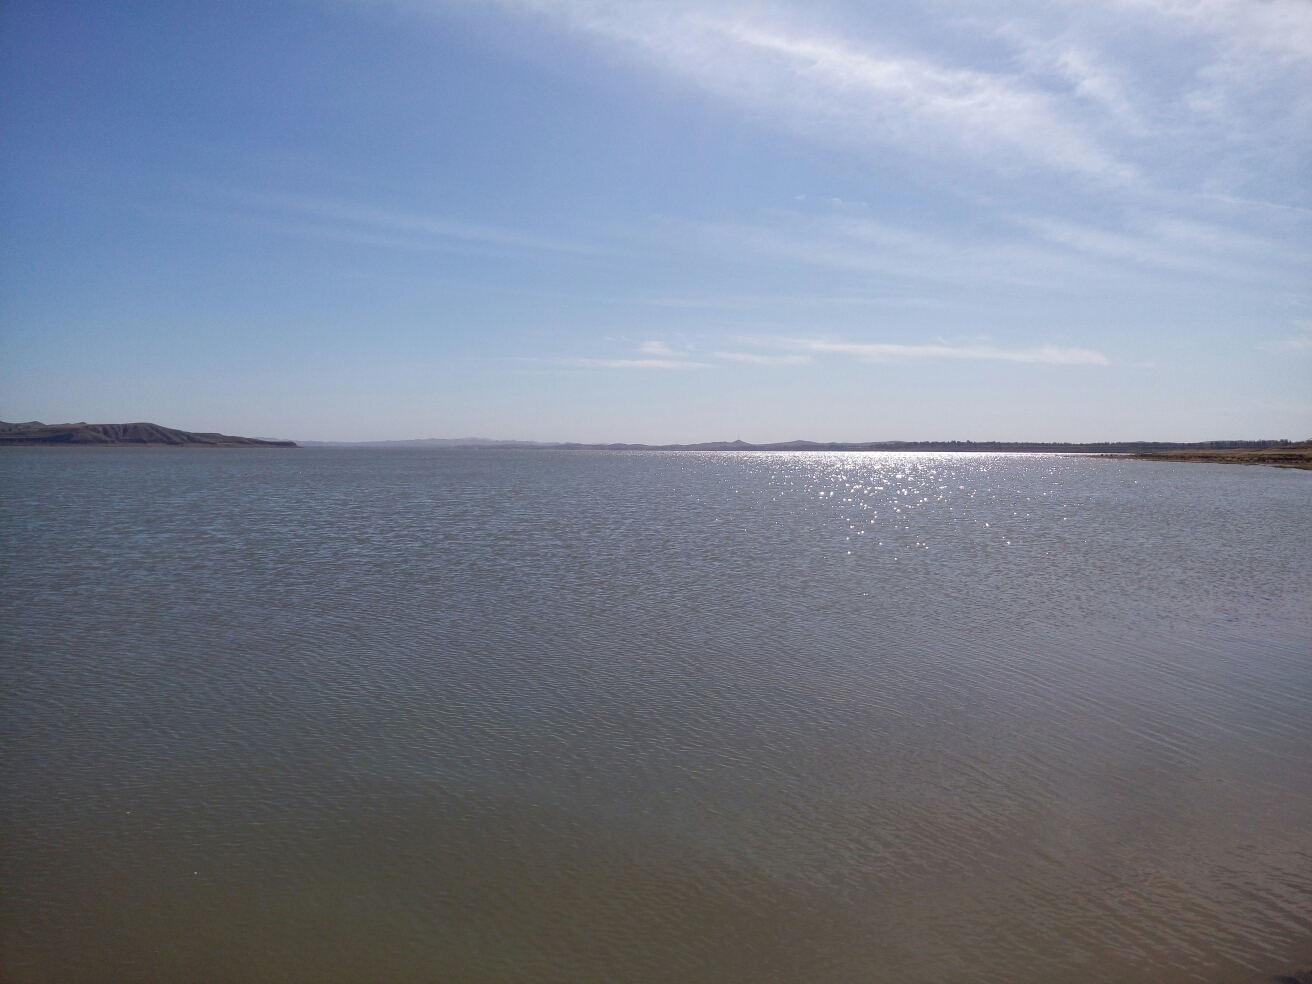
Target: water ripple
<point>530,716</point>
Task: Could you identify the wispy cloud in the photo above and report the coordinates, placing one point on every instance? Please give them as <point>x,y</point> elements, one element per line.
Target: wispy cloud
<point>1020,250</point>
<point>1257,203</point>
<point>1296,344</point>
<point>863,91</point>
<point>891,352</point>
<point>756,359</point>
<point>1164,111</point>
<point>660,349</point>
<point>653,354</point>
<point>368,225</point>
<point>1175,244</point>
<point>792,351</point>
<point>632,363</point>
<point>1021,85</point>
<point>803,351</point>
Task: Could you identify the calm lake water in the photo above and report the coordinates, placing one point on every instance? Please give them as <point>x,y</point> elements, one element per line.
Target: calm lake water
<point>404,716</point>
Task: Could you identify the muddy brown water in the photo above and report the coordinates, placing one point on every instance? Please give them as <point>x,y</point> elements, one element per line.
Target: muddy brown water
<point>353,715</point>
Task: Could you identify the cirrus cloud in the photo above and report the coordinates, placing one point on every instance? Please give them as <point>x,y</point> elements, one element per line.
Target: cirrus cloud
<point>891,352</point>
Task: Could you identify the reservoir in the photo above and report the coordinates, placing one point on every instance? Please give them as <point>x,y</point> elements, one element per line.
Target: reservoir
<point>349,715</point>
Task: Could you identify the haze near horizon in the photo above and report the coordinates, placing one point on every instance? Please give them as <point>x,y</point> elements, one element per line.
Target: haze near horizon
<point>563,220</point>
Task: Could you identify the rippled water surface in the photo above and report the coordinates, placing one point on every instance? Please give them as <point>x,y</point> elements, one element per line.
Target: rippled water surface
<point>349,716</point>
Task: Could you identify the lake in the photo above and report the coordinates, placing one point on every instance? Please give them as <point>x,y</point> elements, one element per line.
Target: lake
<point>350,715</point>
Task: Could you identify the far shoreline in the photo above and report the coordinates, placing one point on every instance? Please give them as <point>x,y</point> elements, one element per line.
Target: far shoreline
<point>1276,453</point>
<point>1287,456</point>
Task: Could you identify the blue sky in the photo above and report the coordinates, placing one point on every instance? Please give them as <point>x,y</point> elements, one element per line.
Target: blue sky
<point>575,220</point>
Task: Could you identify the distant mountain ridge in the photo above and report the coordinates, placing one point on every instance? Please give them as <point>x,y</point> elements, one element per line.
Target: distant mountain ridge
<point>35,433</point>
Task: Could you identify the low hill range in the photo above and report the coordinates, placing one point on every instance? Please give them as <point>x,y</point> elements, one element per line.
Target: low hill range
<point>35,433</point>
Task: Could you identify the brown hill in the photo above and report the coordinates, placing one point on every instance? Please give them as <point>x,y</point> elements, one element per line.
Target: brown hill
<point>35,433</point>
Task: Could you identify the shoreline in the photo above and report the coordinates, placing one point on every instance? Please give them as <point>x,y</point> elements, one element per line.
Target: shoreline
<point>1286,456</point>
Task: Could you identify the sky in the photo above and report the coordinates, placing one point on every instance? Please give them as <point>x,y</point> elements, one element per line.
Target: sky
<point>660,222</point>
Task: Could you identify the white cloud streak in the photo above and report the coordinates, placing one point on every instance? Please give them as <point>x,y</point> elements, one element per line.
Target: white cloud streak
<point>367,225</point>
<point>889,352</point>
<point>1108,91</point>
<point>803,351</point>
<point>660,350</point>
<point>1299,344</point>
<point>632,363</point>
<point>860,92</point>
<point>756,359</point>
<point>1023,250</point>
